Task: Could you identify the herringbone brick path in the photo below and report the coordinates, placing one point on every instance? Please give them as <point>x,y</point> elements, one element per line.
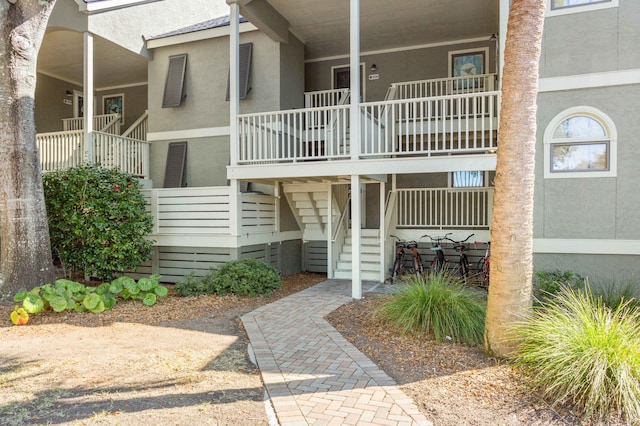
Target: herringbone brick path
<point>312,374</point>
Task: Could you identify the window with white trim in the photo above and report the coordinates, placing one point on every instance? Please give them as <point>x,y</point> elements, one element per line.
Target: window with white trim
<point>580,142</point>
<point>561,7</point>
<point>467,179</point>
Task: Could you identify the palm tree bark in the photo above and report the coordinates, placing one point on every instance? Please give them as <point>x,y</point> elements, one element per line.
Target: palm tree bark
<point>510,289</point>
<point>25,252</point>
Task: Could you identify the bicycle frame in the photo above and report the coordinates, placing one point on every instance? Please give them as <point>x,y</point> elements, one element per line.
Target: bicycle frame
<point>460,247</point>
<point>439,260</point>
<point>484,263</point>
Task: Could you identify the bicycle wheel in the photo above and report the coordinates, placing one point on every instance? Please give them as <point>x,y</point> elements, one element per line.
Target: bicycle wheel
<point>417,264</point>
<point>483,272</point>
<point>464,266</point>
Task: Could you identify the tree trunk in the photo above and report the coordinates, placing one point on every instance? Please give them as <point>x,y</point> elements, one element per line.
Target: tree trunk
<point>510,289</point>
<point>25,251</point>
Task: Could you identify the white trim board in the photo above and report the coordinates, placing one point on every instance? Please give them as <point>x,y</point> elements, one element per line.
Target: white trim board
<point>198,35</point>
<point>206,132</point>
<point>586,246</point>
<point>586,81</point>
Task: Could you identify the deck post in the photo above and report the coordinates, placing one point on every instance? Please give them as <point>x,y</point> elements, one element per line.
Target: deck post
<point>330,231</point>
<point>88,95</point>
<point>383,231</point>
<point>356,220</point>
<point>354,66</point>
<point>234,83</point>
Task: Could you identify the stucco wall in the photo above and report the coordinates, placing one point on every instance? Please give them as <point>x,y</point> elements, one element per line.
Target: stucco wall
<point>292,74</point>
<point>591,208</point>
<point>207,159</point>
<point>602,270</point>
<point>406,65</point>
<point>50,107</point>
<point>135,102</point>
<point>595,41</point>
<point>206,83</point>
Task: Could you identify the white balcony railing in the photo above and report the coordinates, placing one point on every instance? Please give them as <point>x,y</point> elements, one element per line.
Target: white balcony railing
<point>295,135</point>
<point>442,87</point>
<point>325,98</point>
<point>107,123</point>
<point>444,208</point>
<point>61,150</point>
<point>466,123</point>
<point>431,126</point>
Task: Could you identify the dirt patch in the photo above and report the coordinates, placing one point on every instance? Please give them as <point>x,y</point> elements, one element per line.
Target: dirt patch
<point>182,361</point>
<point>451,384</point>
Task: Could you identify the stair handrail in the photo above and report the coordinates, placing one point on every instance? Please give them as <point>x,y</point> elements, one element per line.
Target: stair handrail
<point>139,127</point>
<point>339,224</point>
<point>113,121</point>
<point>392,197</point>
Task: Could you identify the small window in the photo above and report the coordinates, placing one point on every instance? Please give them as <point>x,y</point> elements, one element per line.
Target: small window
<point>468,179</point>
<point>561,7</point>
<point>174,85</point>
<point>580,142</point>
<point>245,70</point>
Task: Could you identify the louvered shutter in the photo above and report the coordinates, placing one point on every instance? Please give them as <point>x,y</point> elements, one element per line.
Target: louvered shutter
<point>176,162</point>
<point>174,85</point>
<point>245,69</point>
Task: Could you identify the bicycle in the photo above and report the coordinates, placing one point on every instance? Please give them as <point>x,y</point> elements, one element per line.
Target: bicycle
<point>484,263</point>
<point>439,261</point>
<point>398,264</point>
<point>460,247</point>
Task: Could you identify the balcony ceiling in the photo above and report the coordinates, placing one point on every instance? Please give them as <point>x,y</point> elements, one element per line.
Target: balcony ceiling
<point>386,24</point>
<point>61,56</point>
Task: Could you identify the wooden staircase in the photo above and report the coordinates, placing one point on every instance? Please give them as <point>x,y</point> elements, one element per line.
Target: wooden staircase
<point>369,256</point>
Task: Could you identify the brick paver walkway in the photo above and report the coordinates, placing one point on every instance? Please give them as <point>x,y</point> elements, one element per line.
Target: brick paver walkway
<point>312,374</point>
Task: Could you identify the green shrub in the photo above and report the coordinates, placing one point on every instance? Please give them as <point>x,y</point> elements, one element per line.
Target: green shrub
<point>615,293</point>
<point>193,285</point>
<point>243,277</point>
<point>437,304</point>
<point>547,284</point>
<point>579,351</point>
<point>97,220</point>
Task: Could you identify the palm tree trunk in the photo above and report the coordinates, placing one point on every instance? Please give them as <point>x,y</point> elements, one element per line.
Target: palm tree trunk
<point>510,289</point>
<point>25,252</point>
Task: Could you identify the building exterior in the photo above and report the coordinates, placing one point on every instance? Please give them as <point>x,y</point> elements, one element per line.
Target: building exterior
<point>310,134</point>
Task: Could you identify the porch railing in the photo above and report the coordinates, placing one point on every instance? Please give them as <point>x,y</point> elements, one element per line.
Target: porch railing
<point>295,135</point>
<point>325,98</point>
<point>430,126</point>
<point>100,123</point>
<point>442,87</point>
<point>444,208</point>
<point>127,154</point>
<point>61,150</point>
<point>206,211</point>
<point>138,130</point>
<point>464,123</point>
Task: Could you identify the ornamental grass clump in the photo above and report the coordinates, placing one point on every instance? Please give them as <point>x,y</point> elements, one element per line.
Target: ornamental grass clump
<point>437,304</point>
<point>579,351</point>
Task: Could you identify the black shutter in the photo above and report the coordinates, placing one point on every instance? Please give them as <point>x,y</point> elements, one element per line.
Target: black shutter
<point>245,69</point>
<point>176,162</point>
<point>174,85</point>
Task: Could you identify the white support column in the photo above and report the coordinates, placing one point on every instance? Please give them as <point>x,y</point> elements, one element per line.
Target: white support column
<point>88,95</point>
<point>383,232</point>
<point>330,232</point>
<point>354,65</point>
<point>356,283</point>
<point>277,193</point>
<point>235,202</point>
<point>234,84</point>
<point>502,37</point>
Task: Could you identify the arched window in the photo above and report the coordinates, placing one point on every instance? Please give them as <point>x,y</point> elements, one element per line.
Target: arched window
<point>580,142</point>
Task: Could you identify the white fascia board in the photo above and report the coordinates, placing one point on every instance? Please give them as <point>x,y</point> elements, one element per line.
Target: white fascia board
<point>586,246</point>
<point>589,81</point>
<point>364,167</point>
<point>207,132</point>
<point>197,36</point>
<point>222,240</point>
<point>104,6</point>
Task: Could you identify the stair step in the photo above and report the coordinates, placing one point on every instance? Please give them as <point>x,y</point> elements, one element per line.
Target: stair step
<point>364,257</point>
<point>364,248</point>
<point>302,196</point>
<point>365,275</point>
<point>364,266</point>
<point>363,241</point>
<point>366,233</point>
